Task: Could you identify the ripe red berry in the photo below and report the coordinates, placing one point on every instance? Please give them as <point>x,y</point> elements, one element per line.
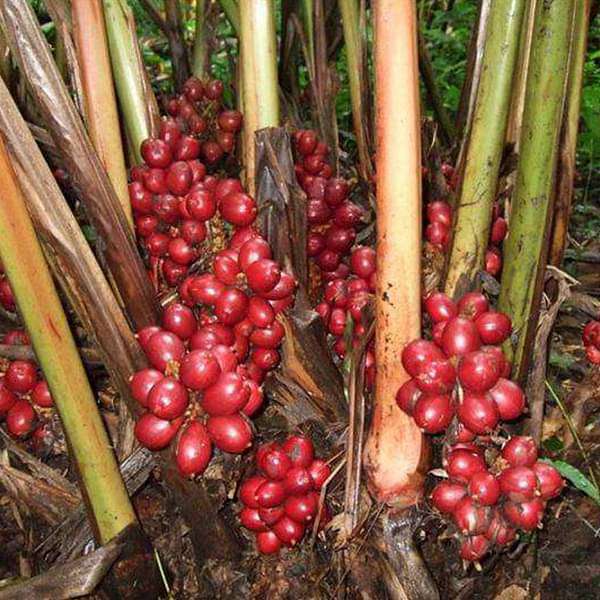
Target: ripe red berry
<point>270,494</point>
<point>180,320</point>
<point>156,153</point>
<point>206,289</point>
<point>433,413</point>
<point>187,148</point>
<point>362,261</point>
<point>155,433</point>
<point>446,495</point>
<point>440,211</point>
<point>194,450</point>
<point>549,480</point>
<point>267,542</point>
<point>499,229</point>
<point>302,509</point>
<point>478,371</point>
<point>520,451</point>
<point>419,353</point>
<point>275,464</point>
<point>260,312</point>
<point>199,370</point>
<point>470,518</point>
<point>472,305</point>
<point>462,465</point>
<point>248,490</point>
<point>21,376</point>
<point>239,209</point>
<point>440,308</point>
<point>519,484</point>
<point>192,231</point>
<point>162,348</point>
<point>7,398</point>
<point>407,396</point>
<point>525,515</point>
<point>227,396</point>
<point>268,337</point>
<point>250,519</point>
<point>460,337</point>
<point>288,531</point>
<point>231,433</point>
<point>493,327</point>
<point>168,399</point>
<point>478,412</point>
<point>437,234</point>
<point>336,191</point>
<point>493,261</point>
<point>297,481</point>
<point>499,532</point>
<point>319,472</point>
<point>508,398</point>
<point>300,449</point>
<point>231,306</point>
<point>20,419</point>
<point>436,377</point>
<point>263,275</point>
<point>484,488</point>
<point>226,267</point>
<point>142,382</point>
<point>230,120</point>
<point>179,178</point>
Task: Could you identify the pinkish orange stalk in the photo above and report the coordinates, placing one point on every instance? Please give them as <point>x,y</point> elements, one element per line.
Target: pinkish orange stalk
<point>396,453</point>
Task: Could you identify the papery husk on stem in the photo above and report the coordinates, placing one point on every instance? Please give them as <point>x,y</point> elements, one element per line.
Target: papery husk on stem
<point>526,248</point>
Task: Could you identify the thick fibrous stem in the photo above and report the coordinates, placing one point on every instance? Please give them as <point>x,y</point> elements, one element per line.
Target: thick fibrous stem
<point>200,60</point>
<point>525,250</point>
<point>485,146</point>
<point>259,76</point>
<point>568,143</point>
<point>136,99</point>
<point>396,454</point>
<point>56,351</point>
<point>101,115</point>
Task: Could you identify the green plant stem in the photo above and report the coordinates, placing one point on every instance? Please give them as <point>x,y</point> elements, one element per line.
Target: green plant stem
<point>259,76</point>
<point>200,59</point>
<point>526,248</point>
<point>38,302</point>
<point>359,96</point>
<point>307,15</point>
<point>570,129</point>
<point>232,12</point>
<point>485,145</point>
<point>126,71</point>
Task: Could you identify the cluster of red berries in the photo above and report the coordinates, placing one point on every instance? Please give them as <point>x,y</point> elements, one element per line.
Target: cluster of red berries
<point>7,299</point>
<point>24,394</point>
<point>460,385</point>
<point>591,341</point>
<point>488,506</point>
<point>282,499</point>
<point>174,200</point>
<point>198,111</point>
<point>349,271</point>
<point>439,225</point>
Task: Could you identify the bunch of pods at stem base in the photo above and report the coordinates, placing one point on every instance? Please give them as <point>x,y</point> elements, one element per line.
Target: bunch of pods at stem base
<point>460,386</point>
<point>591,341</point>
<point>281,501</point>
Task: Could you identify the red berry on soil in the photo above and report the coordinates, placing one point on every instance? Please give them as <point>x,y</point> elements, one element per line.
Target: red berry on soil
<point>550,482</point>
<point>484,488</point>
<point>525,515</point>
<point>319,472</point>
<point>302,509</point>
<point>268,543</point>
<point>297,481</point>
<point>20,419</point>
<point>270,494</point>
<point>462,465</point>
<point>519,484</point>
<point>474,548</point>
<point>288,531</point>
<point>470,518</point>
<point>300,449</point>
<point>248,490</point>
<point>276,463</point>
<point>250,519</point>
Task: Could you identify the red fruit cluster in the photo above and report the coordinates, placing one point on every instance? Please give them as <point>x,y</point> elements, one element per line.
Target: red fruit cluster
<point>488,507</point>
<point>591,341</point>
<point>438,229</point>
<point>349,271</point>
<point>460,386</point>
<point>198,111</point>
<point>24,394</point>
<point>282,499</point>
<point>174,200</point>
<point>7,299</point>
